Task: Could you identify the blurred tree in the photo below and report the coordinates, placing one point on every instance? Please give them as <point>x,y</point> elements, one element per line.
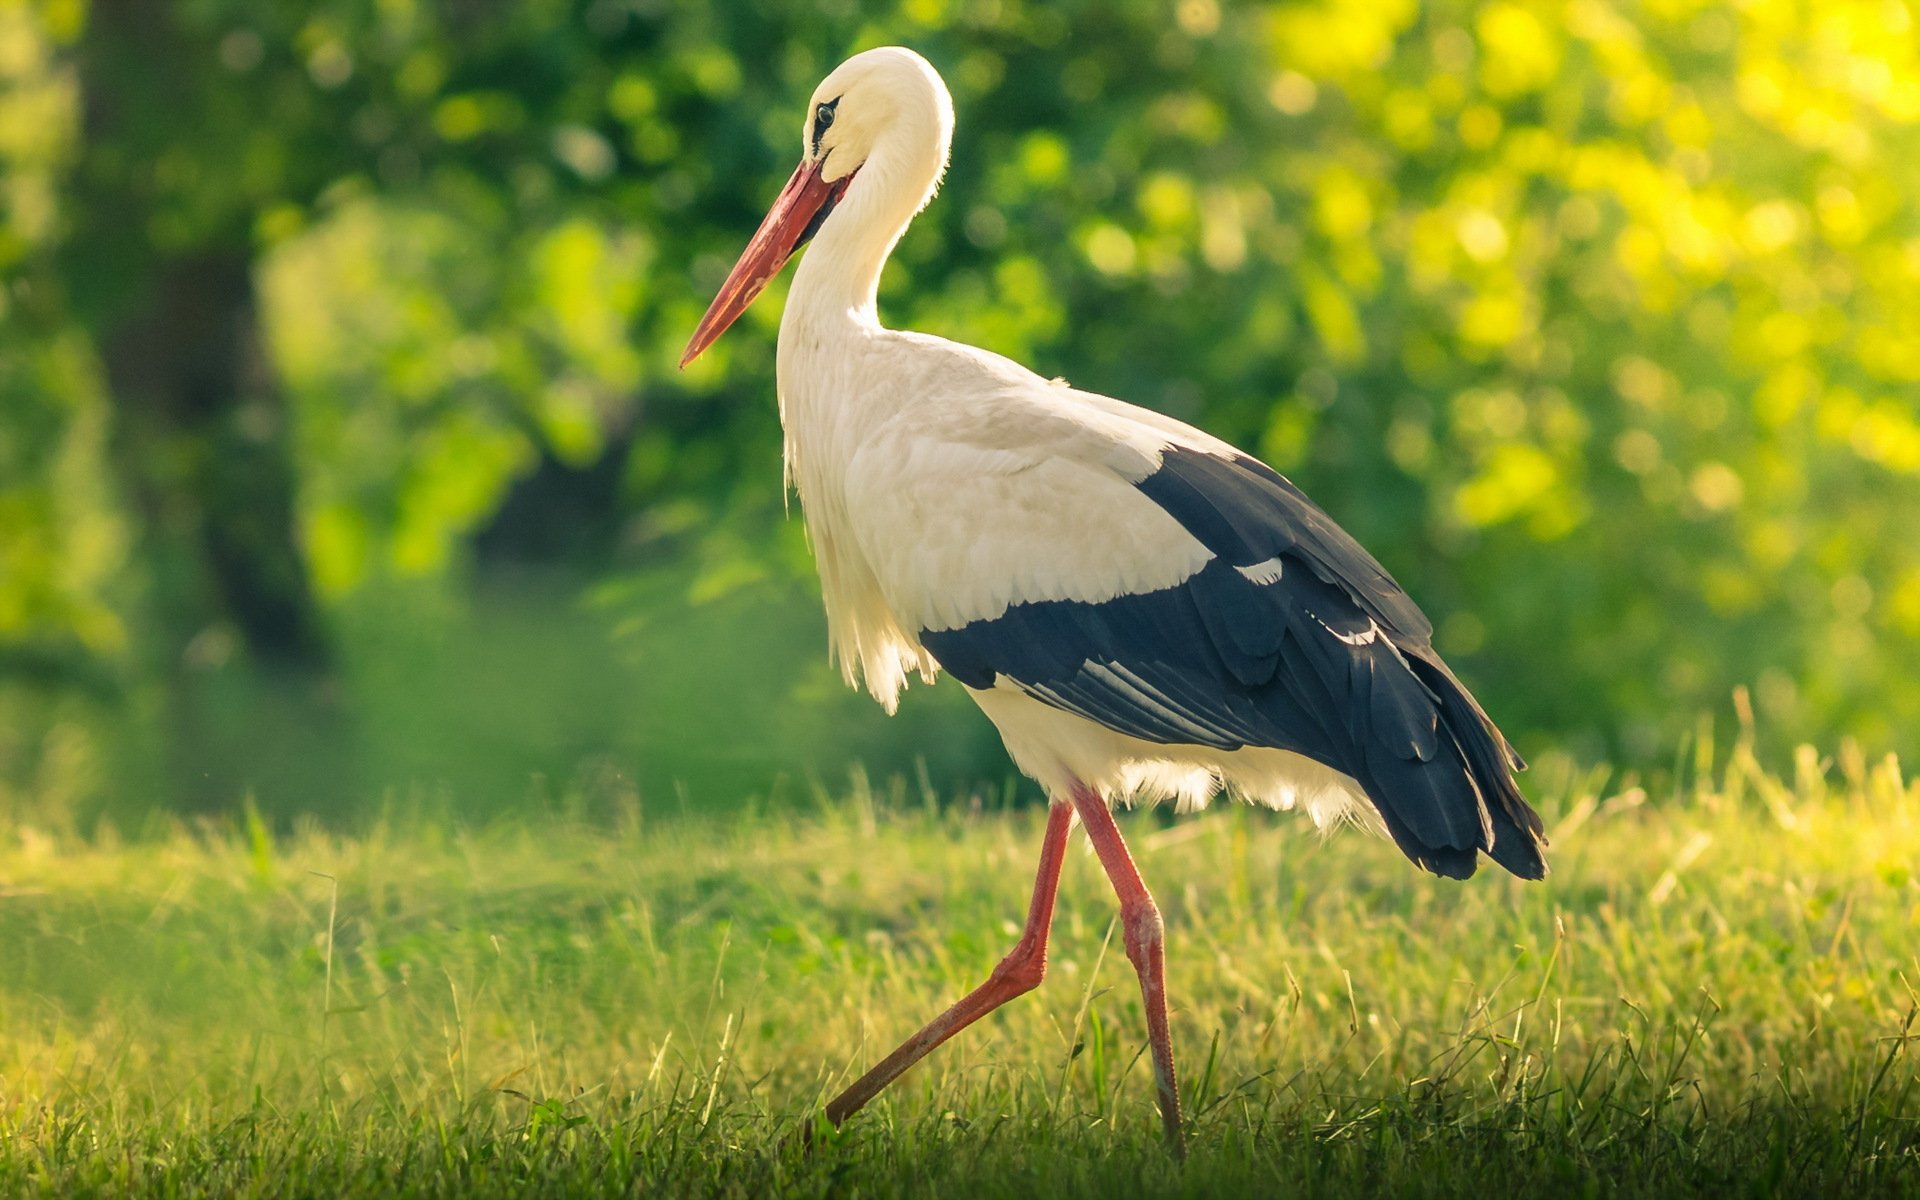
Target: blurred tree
<point>157,267</point>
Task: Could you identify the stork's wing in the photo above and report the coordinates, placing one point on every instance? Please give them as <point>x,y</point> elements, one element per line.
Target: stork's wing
<point>1288,635</point>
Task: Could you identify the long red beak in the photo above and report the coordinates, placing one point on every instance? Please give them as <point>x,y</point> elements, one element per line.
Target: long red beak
<point>795,217</point>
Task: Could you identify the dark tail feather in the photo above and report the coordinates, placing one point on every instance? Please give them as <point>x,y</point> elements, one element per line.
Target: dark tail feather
<point>1518,842</point>
<point>1448,861</point>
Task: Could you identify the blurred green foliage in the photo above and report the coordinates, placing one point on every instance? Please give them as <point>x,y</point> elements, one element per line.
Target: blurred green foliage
<point>331,333</point>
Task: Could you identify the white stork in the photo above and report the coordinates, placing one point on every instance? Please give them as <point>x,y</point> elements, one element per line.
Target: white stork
<point>1141,609</point>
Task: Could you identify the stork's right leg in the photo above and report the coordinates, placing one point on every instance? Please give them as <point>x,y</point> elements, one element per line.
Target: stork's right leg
<point>1145,938</point>
<point>1018,973</point>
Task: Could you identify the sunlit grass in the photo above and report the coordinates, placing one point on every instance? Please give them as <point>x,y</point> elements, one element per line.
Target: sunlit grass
<point>1713,991</point>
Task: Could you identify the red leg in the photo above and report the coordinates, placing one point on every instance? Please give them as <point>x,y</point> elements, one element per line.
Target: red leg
<point>1145,934</point>
<point>1018,973</point>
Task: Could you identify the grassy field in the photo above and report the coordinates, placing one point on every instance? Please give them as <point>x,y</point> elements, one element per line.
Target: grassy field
<point>1712,993</point>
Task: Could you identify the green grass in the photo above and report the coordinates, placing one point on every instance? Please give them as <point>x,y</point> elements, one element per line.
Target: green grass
<point>1712,993</point>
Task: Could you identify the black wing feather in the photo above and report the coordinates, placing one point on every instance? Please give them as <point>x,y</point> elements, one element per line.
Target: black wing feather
<point>1330,660</point>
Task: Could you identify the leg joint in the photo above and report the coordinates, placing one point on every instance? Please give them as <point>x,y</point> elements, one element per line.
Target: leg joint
<point>1145,930</point>
<point>1022,969</point>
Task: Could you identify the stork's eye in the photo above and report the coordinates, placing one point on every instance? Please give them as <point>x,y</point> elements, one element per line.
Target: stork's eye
<point>823,120</point>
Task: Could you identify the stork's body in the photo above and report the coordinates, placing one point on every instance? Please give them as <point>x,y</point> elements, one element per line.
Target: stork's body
<point>1142,610</point>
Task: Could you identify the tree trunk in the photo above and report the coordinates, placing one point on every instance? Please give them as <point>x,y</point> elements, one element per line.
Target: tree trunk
<point>204,446</point>
<point>229,628</point>
<point>159,262</point>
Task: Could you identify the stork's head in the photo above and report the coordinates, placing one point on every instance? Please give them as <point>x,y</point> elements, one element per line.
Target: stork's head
<point>884,116</point>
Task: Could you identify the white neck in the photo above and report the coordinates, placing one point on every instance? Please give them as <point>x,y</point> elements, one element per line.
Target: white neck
<point>895,122</point>
<point>839,274</point>
<point>827,396</point>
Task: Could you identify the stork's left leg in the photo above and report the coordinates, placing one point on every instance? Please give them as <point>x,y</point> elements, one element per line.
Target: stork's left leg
<point>1018,973</point>
<point>1145,937</point>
